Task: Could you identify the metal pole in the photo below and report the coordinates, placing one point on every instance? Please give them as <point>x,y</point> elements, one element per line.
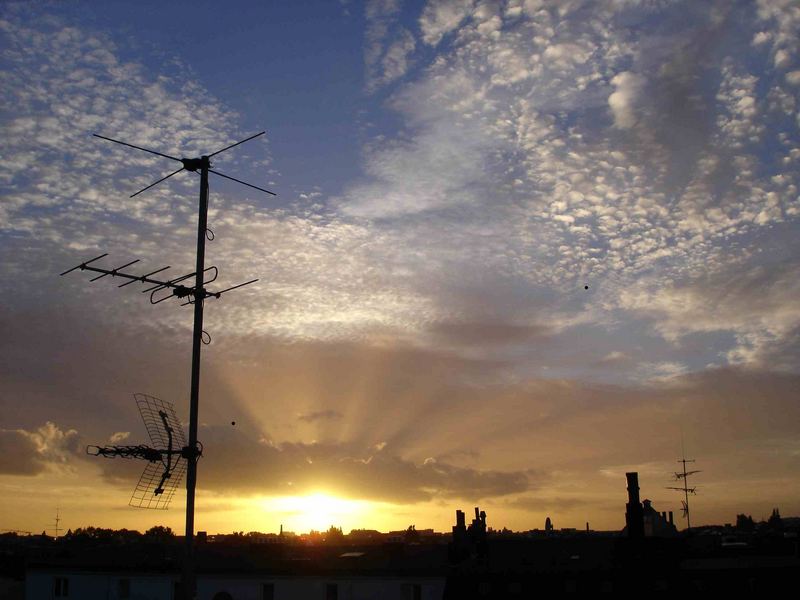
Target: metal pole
<point>686,496</point>
<point>189,582</point>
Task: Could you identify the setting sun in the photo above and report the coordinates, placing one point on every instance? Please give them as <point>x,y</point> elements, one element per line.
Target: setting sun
<point>318,511</point>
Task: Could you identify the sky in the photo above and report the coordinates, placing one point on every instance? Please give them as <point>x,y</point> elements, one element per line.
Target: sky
<point>518,249</point>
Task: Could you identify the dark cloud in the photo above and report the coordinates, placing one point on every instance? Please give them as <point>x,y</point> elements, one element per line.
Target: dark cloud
<point>235,464</point>
<point>481,333</point>
<point>243,464</point>
<point>25,452</point>
<point>548,503</point>
<point>18,454</point>
<point>319,415</point>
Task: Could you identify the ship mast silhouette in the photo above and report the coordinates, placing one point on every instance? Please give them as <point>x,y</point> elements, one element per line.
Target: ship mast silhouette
<point>163,289</point>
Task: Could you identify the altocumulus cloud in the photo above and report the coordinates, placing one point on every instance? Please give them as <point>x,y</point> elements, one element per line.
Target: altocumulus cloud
<point>546,145</point>
<point>551,141</point>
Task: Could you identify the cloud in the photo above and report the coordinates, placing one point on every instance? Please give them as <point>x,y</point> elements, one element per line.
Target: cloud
<point>319,415</point>
<point>395,62</point>
<point>625,97</point>
<point>24,452</point>
<point>757,304</point>
<point>509,180</point>
<point>439,17</point>
<point>346,469</point>
<point>387,46</point>
<point>460,333</point>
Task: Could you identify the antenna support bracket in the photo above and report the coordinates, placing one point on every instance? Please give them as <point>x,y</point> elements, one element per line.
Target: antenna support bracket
<point>195,164</point>
<point>190,453</point>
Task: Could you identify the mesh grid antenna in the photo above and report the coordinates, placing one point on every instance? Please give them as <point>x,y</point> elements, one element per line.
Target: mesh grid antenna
<point>159,419</point>
<point>161,290</point>
<point>166,458</point>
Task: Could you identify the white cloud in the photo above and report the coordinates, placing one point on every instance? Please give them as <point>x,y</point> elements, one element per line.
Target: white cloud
<point>119,436</point>
<point>547,147</point>
<point>793,78</point>
<point>440,17</point>
<point>395,61</point>
<point>625,97</point>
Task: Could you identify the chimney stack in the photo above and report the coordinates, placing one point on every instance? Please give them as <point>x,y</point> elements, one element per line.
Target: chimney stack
<point>634,516</point>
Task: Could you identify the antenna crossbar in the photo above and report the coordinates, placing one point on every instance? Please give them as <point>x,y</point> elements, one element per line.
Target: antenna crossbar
<point>177,289</point>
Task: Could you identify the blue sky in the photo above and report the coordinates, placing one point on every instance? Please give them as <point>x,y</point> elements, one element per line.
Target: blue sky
<point>450,175</point>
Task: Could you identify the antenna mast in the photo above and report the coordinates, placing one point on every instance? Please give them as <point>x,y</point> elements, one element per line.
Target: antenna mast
<point>684,477</point>
<point>58,520</point>
<point>162,290</point>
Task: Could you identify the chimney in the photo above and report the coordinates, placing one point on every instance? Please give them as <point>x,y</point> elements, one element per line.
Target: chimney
<point>670,517</point>
<point>634,517</point>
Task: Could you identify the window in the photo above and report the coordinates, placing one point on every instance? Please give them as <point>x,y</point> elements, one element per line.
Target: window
<point>61,587</point>
<point>268,591</point>
<point>124,588</point>
<point>331,591</point>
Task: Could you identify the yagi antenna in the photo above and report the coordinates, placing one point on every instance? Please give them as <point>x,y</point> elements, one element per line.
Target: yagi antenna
<point>194,293</point>
<point>166,458</point>
<point>683,476</point>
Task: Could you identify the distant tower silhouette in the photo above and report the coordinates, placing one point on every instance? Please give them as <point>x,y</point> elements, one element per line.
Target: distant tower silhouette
<point>548,524</point>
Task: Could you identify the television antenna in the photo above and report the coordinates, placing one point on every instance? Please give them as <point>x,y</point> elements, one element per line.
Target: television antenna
<point>163,289</point>
<point>57,529</point>
<point>166,458</point>
<point>683,476</point>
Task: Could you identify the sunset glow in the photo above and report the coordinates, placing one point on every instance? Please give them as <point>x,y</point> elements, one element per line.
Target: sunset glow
<point>318,511</point>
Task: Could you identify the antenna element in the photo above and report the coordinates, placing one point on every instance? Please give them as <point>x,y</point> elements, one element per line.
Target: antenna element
<point>162,479</point>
